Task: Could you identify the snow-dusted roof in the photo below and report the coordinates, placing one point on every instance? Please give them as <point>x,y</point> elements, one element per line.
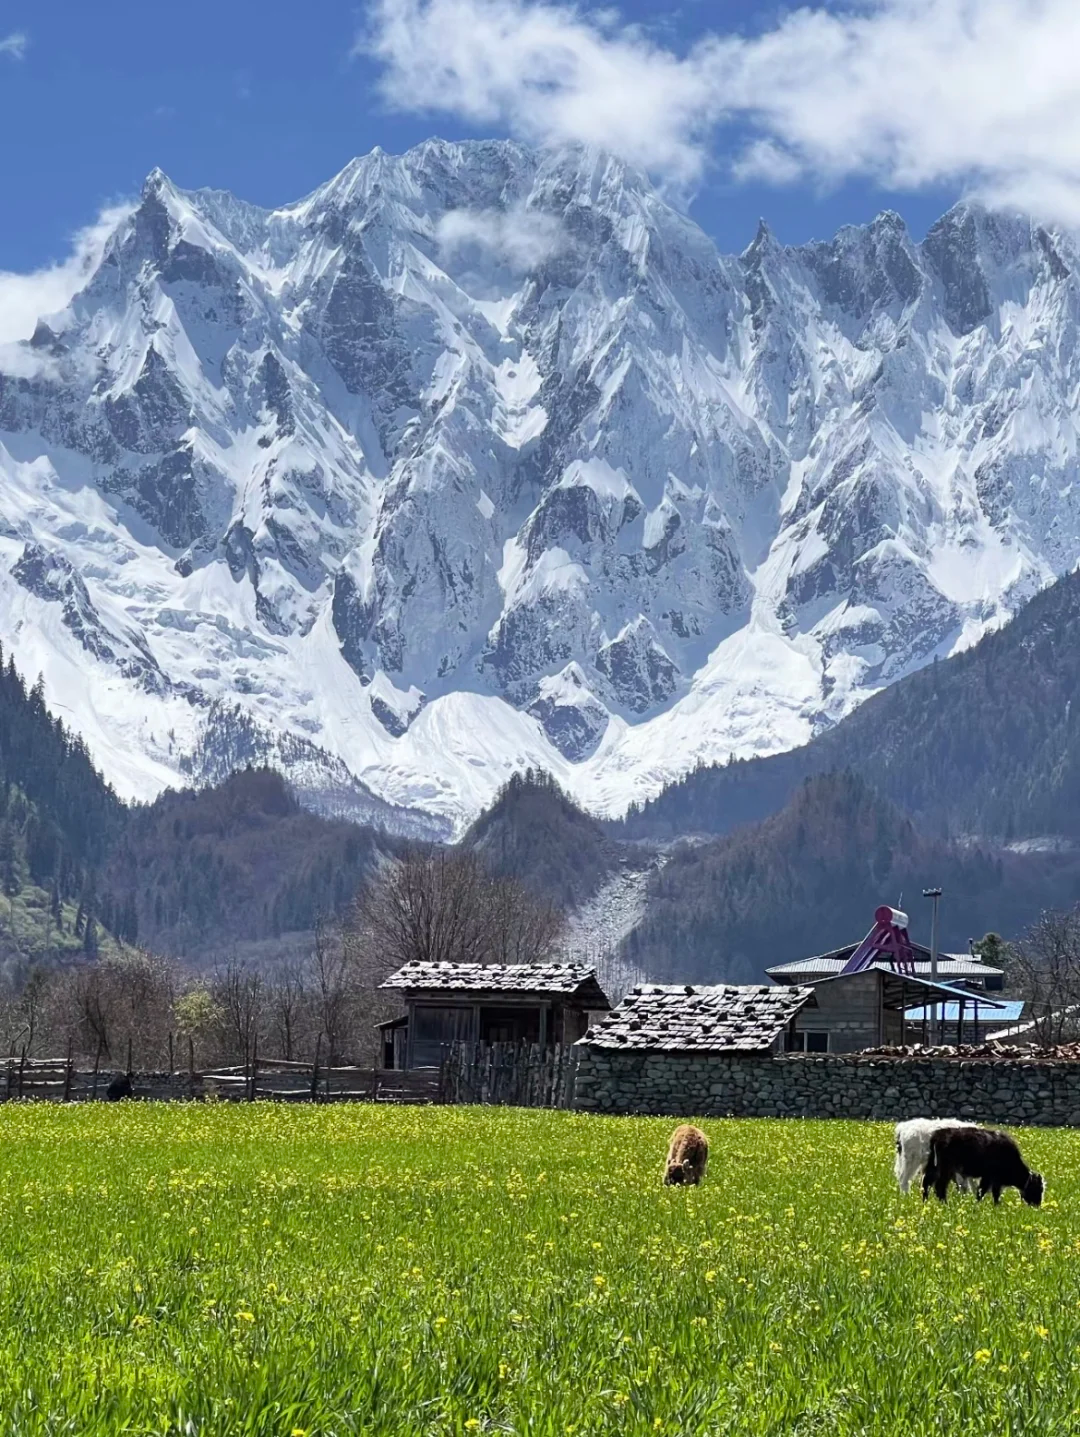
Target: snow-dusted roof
<point>552,980</point>
<point>726,1018</point>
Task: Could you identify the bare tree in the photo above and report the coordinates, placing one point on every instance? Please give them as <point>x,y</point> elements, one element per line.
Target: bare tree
<point>143,999</point>
<point>521,927</point>
<point>31,1009</point>
<point>443,906</point>
<point>108,1008</point>
<point>1044,968</point>
<point>92,1010</point>
<point>369,966</point>
<point>238,991</point>
<point>332,986</point>
<point>286,1007</point>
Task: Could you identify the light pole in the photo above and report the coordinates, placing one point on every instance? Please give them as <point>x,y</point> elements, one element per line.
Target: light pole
<point>934,894</point>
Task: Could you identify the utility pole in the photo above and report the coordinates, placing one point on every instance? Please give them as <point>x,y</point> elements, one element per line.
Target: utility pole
<point>934,894</point>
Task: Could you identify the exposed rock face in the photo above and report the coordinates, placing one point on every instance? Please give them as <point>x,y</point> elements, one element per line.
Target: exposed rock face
<point>573,718</point>
<point>480,458</point>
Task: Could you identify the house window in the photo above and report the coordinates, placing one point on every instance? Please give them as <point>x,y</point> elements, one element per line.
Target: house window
<point>808,1042</point>
<point>510,1025</point>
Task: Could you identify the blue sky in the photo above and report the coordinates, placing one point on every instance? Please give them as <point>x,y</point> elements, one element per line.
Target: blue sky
<point>269,99</point>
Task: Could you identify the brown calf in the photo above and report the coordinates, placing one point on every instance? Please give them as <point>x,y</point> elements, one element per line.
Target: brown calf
<point>687,1156</point>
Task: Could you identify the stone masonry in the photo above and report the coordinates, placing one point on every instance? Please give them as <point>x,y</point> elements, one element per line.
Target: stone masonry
<point>1046,1093</point>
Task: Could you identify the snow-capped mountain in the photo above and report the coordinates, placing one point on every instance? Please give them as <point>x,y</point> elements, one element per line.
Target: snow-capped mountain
<point>481,458</point>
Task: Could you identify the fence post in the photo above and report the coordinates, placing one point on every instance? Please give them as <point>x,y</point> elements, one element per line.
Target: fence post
<point>22,1068</point>
<point>97,1065</point>
<point>171,1068</point>
<point>68,1074</point>
<point>569,1089</point>
<point>254,1067</point>
<point>315,1071</point>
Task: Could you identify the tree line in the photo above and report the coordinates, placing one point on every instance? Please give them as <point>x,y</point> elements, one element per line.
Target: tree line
<point>426,905</point>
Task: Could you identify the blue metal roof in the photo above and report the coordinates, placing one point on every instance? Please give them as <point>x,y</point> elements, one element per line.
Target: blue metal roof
<point>998,1013</point>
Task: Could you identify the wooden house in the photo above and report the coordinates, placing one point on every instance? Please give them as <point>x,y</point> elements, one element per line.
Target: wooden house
<point>447,1003</point>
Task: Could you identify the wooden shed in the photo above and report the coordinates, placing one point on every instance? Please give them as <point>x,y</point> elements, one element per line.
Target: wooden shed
<point>446,1003</point>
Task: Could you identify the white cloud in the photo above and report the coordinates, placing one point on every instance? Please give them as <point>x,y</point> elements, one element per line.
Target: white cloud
<point>521,239</point>
<point>548,73</point>
<point>908,93</point>
<point>25,298</point>
<point>15,45</point>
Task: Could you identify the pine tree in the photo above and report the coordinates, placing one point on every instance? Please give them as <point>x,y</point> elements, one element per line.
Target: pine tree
<point>10,883</point>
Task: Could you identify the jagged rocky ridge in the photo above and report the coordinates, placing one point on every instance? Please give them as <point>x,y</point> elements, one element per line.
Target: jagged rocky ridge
<point>481,458</point>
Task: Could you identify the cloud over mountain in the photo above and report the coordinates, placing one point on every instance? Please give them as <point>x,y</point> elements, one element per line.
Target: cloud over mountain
<point>910,93</point>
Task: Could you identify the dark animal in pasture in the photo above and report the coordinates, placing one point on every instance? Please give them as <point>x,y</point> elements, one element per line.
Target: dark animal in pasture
<point>990,1157</point>
<point>913,1148</point>
<point>119,1087</point>
<point>687,1156</point>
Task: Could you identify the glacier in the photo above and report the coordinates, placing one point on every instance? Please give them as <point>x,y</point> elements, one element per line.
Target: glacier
<point>482,458</point>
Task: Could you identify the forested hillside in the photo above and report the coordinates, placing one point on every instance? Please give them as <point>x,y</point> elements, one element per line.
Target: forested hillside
<point>809,878</point>
<point>58,819</point>
<point>210,868</point>
<point>986,743</point>
<point>192,874</point>
<point>535,832</point>
<point>76,815</point>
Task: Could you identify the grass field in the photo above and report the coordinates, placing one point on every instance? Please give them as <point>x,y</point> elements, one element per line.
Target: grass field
<point>279,1270</point>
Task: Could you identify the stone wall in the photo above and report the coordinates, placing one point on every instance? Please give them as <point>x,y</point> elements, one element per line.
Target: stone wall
<point>828,1086</point>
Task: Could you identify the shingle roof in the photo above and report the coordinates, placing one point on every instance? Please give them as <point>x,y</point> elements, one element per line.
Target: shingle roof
<point>950,965</point>
<point>555,980</point>
<point>699,1020</point>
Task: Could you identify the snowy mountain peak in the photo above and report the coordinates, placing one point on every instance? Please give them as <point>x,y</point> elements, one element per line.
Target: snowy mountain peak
<point>479,458</point>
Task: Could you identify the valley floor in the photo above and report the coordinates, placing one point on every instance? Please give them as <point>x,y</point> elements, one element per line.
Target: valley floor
<point>272,1270</point>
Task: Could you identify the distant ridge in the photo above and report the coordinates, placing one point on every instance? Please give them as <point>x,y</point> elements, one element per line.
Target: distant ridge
<point>984,744</point>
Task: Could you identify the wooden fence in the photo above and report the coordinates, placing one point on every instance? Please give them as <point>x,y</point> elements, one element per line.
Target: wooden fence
<point>300,1082</point>
<point>521,1075</point>
<point>58,1080</point>
<point>516,1075</point>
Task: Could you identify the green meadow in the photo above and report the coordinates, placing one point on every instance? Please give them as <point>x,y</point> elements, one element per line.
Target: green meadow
<point>306,1271</point>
